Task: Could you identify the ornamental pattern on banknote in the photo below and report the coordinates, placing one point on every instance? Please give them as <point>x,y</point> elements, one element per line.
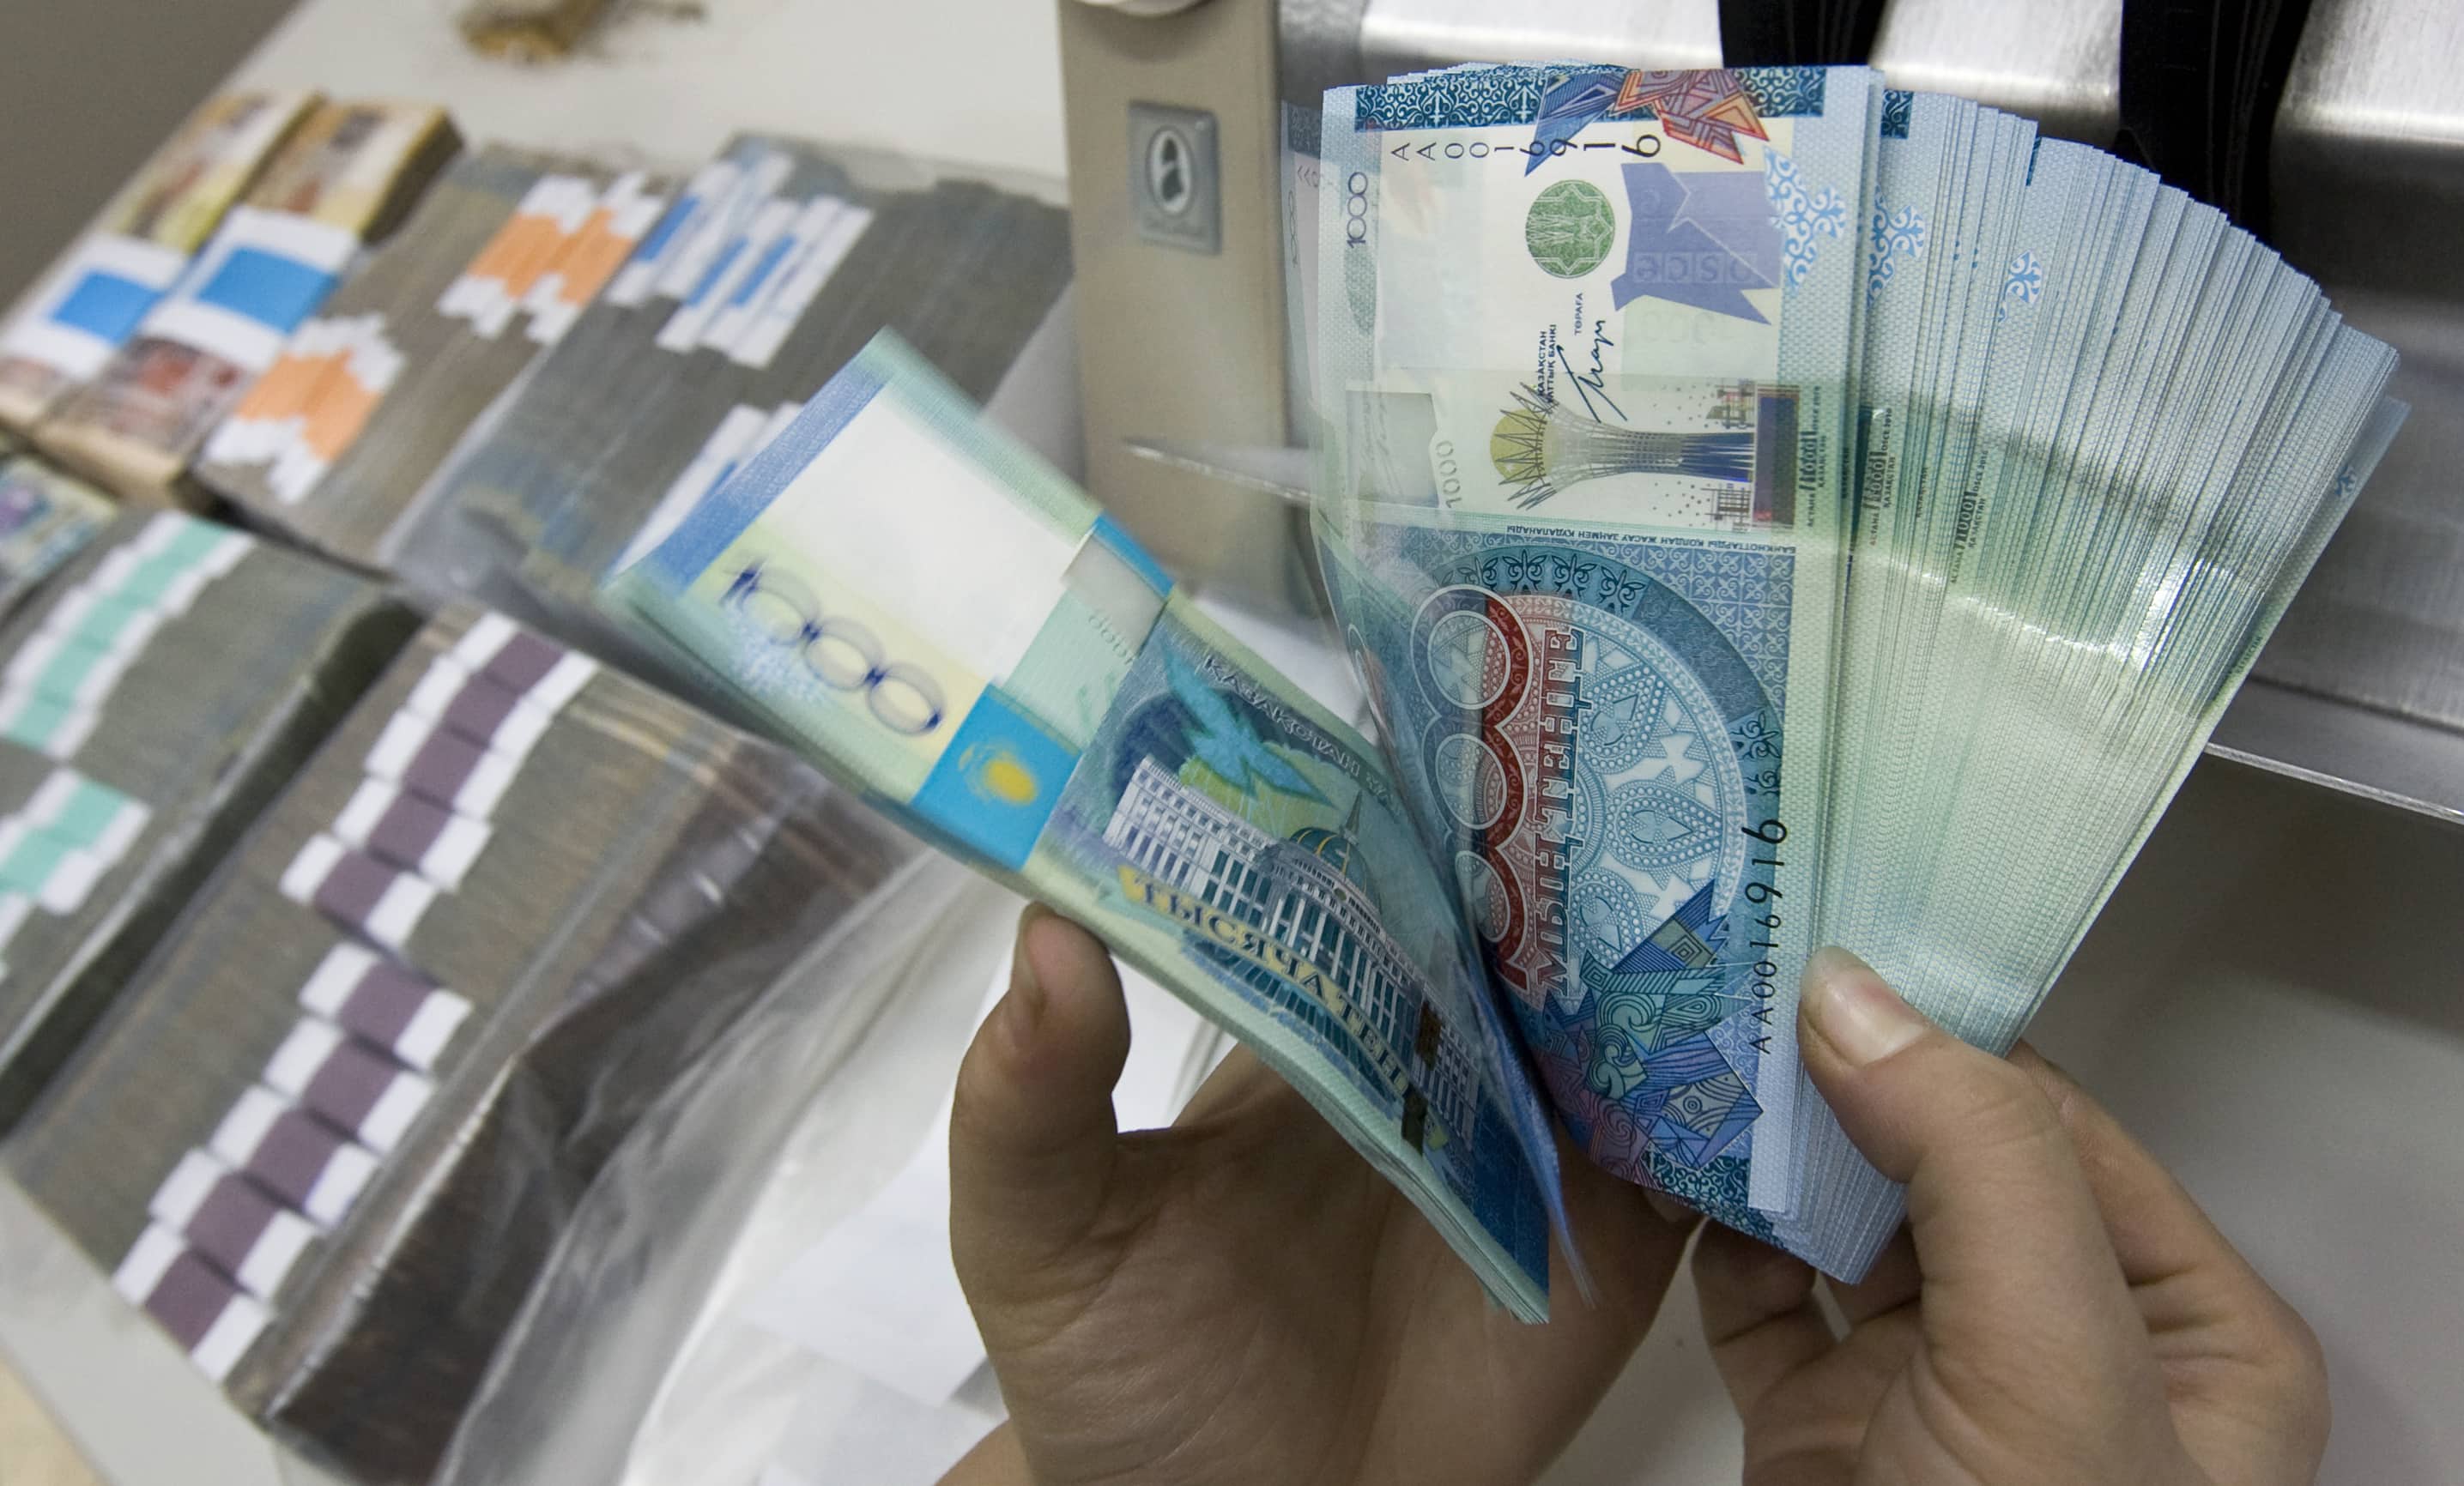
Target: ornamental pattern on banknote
<point>2024,279</point>
<point>1900,234</point>
<point>1569,97</point>
<point>1601,748</point>
<point>1899,105</point>
<point>1801,215</point>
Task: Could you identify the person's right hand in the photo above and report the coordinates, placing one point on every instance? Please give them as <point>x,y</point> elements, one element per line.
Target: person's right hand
<point>2058,1310</point>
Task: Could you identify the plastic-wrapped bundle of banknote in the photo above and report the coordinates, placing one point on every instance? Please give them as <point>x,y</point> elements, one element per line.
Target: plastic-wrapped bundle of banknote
<point>64,333</point>
<point>344,176</point>
<point>171,679</point>
<point>338,1124</point>
<point>1615,371</point>
<point>372,394</point>
<point>775,263</point>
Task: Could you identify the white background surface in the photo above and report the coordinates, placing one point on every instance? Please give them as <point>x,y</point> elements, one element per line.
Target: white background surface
<point>2271,1000</point>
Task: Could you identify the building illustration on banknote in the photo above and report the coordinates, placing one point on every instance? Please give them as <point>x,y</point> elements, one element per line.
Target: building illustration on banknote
<point>1304,931</point>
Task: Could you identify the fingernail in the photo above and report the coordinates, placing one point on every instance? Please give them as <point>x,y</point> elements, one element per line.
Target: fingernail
<point>1024,1007</point>
<point>1854,1011</point>
<point>1670,1211</point>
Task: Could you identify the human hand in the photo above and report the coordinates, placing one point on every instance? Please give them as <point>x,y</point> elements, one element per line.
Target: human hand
<point>1241,1298</point>
<point>2058,1310</point>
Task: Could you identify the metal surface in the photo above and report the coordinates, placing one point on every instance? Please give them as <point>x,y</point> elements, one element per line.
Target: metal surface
<point>2369,198</point>
<point>1403,35</point>
<point>2379,757</point>
<point>2058,64</point>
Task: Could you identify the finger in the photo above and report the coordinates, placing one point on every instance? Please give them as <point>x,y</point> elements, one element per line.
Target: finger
<point>1758,1314</point>
<point>1893,1281</point>
<point>1031,1133</point>
<point>2156,1229</point>
<point>2202,1301</point>
<point>2009,1235</point>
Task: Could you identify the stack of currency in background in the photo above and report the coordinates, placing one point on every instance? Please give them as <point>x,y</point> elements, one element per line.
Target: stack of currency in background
<point>46,517</point>
<point>1765,511</point>
<point>371,395</point>
<point>1771,511</point>
<point>336,1128</point>
<point>347,175</point>
<point>92,300</point>
<point>770,271</point>
<point>173,677</point>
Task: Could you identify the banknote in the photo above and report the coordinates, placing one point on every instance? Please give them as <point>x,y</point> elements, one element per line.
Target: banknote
<point>937,617</point>
<point>1585,344</point>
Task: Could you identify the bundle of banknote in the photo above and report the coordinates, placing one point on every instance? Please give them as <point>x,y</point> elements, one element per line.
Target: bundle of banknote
<point>1878,502</point>
<point>67,328</point>
<point>371,395</point>
<point>344,176</point>
<point>773,266</point>
<point>1766,510</point>
<point>153,698</point>
<point>347,1113</point>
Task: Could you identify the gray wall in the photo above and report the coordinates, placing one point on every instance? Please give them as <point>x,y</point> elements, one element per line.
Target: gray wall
<point>88,88</point>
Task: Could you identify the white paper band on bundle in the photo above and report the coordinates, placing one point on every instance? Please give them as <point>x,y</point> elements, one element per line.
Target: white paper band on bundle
<point>57,876</point>
<point>758,345</point>
<point>490,643</point>
<point>112,837</point>
<point>432,761</point>
<point>344,1080</point>
<point>638,279</point>
<point>92,304</point>
<point>55,729</point>
<point>205,1311</point>
<point>72,619</point>
<point>318,1170</point>
<point>244,1231</point>
<point>357,890</point>
<point>738,279</point>
<point>381,1002</point>
<point>243,315</point>
<point>556,301</point>
<point>145,1264</point>
<point>722,225</point>
<point>395,825</point>
<point>244,438</point>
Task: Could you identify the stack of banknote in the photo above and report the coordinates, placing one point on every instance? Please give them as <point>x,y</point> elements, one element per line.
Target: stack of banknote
<point>1765,510</point>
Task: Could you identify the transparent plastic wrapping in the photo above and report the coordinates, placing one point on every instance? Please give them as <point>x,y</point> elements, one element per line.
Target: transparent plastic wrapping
<point>519,908</point>
<point>156,697</point>
<point>1769,510</point>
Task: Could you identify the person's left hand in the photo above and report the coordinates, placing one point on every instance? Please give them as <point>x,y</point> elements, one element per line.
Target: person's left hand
<point>1241,1298</point>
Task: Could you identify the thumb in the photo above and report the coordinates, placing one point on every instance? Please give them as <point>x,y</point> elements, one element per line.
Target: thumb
<point>1031,1132</point>
<point>2007,1232</point>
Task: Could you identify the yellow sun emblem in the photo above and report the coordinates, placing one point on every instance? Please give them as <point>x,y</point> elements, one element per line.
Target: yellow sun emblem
<point>999,774</point>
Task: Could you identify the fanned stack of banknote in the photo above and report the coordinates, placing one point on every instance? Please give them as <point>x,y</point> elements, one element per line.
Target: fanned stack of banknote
<point>1765,510</point>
